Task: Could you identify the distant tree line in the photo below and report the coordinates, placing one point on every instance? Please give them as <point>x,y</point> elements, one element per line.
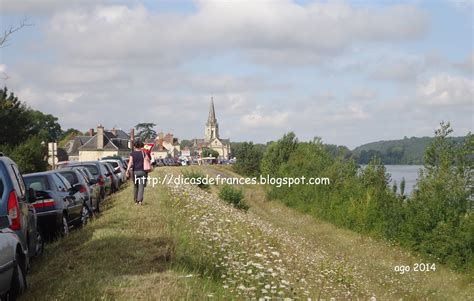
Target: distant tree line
<point>436,220</point>
<point>403,151</point>
<point>25,133</point>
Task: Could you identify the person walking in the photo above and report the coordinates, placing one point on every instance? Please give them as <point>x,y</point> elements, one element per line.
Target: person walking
<point>137,164</point>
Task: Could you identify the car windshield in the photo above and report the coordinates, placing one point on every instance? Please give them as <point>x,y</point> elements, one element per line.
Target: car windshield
<point>93,169</point>
<point>84,174</point>
<point>70,176</point>
<point>113,163</point>
<point>37,183</point>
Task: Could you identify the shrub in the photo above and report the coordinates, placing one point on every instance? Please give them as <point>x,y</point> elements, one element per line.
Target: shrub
<point>233,196</point>
<point>436,220</point>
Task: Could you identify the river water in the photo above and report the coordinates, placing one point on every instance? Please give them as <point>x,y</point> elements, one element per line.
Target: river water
<point>409,172</point>
<point>398,172</point>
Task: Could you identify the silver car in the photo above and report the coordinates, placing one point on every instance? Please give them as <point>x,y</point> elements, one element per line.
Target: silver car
<point>12,262</point>
<point>118,169</point>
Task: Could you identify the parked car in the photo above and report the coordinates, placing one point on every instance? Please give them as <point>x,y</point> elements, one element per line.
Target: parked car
<point>13,262</point>
<point>100,173</point>
<point>126,160</point>
<point>123,161</point>
<point>15,201</point>
<point>59,206</point>
<point>94,188</point>
<point>76,177</point>
<point>113,176</point>
<point>118,169</point>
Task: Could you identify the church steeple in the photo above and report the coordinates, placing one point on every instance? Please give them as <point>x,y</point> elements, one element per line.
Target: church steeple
<point>212,114</point>
<point>212,128</point>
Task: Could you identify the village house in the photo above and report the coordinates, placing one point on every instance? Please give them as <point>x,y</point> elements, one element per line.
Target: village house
<point>96,145</point>
<point>166,146</point>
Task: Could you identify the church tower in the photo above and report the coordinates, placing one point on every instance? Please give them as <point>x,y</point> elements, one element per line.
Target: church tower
<point>212,128</point>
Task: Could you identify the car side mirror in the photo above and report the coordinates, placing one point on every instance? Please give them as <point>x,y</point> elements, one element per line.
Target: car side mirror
<point>5,222</point>
<point>117,171</point>
<point>75,188</point>
<point>31,197</point>
<point>93,181</point>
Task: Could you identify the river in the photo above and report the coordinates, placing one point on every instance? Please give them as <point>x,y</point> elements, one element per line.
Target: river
<point>398,172</point>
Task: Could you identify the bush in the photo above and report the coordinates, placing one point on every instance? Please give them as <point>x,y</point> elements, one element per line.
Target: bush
<point>233,196</point>
<point>197,178</point>
<point>436,220</point>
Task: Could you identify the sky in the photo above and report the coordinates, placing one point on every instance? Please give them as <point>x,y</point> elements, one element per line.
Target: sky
<point>350,72</point>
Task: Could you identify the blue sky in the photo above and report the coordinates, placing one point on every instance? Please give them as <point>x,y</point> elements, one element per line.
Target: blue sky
<point>349,72</point>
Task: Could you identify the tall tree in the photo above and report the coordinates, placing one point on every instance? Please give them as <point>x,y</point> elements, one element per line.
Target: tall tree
<point>248,158</point>
<point>278,153</point>
<point>145,131</point>
<point>15,124</point>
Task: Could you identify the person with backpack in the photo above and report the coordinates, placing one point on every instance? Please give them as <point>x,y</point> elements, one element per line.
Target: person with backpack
<point>139,164</point>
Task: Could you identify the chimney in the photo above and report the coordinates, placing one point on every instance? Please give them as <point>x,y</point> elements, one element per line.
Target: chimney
<point>100,137</point>
<point>114,131</point>
<point>132,138</point>
<point>91,132</point>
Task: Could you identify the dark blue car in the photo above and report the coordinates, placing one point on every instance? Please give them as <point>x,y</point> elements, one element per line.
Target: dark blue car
<point>59,206</point>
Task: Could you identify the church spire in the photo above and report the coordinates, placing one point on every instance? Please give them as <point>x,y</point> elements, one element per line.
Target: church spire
<point>212,128</point>
<point>212,114</point>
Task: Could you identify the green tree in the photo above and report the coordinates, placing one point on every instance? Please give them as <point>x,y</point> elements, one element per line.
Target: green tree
<point>23,132</point>
<point>277,153</point>
<point>15,122</point>
<point>145,131</point>
<point>68,135</point>
<point>30,155</point>
<point>248,159</point>
<point>46,126</point>
<point>208,152</point>
<point>185,143</point>
<point>440,209</point>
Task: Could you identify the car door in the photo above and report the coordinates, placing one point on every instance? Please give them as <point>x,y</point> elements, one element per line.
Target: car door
<point>69,200</point>
<point>78,200</point>
<point>6,259</point>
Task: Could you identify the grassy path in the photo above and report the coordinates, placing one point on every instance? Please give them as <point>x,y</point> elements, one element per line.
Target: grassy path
<point>130,252</point>
<point>186,244</point>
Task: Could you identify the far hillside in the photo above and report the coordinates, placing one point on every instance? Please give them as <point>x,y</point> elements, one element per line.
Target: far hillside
<point>403,151</point>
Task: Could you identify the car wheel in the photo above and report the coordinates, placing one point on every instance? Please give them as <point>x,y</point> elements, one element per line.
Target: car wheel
<point>85,215</point>
<point>18,284</point>
<point>64,230</point>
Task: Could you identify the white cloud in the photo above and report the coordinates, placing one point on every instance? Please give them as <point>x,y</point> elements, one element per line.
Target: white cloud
<point>445,90</point>
<point>353,112</point>
<point>363,93</point>
<point>258,118</point>
<point>266,32</point>
<point>467,65</point>
<point>398,70</point>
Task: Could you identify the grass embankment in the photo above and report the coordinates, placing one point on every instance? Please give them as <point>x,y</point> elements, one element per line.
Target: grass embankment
<point>129,252</point>
<point>373,260</point>
<point>185,243</point>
